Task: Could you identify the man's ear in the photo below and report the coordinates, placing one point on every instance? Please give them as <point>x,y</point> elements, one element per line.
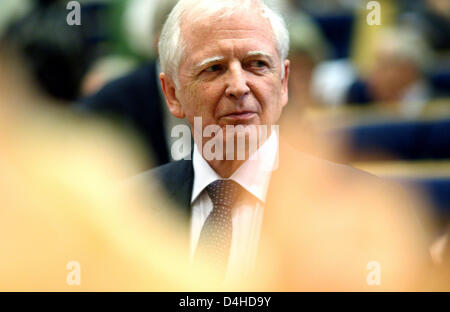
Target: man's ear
<point>169,89</point>
<point>284,83</point>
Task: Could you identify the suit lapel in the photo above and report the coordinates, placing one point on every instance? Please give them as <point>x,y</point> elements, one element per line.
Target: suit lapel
<point>178,180</point>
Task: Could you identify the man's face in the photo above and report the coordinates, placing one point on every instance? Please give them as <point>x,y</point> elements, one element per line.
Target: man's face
<point>391,76</point>
<point>231,72</point>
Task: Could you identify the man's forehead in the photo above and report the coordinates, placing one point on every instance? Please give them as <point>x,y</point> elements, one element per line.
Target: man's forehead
<point>238,24</point>
<point>235,35</point>
<point>231,44</point>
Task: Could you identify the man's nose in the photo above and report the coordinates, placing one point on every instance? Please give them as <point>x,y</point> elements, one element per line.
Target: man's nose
<point>236,82</point>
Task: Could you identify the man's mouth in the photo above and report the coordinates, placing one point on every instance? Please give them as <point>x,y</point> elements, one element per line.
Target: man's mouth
<point>246,115</point>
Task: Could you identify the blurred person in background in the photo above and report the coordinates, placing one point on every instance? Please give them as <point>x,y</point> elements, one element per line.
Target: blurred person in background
<point>58,54</point>
<point>308,48</point>
<point>136,98</point>
<point>345,77</point>
<point>396,79</point>
<point>67,60</point>
<point>129,42</point>
<point>59,201</point>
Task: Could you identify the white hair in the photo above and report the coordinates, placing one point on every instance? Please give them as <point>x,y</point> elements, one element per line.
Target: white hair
<point>171,45</point>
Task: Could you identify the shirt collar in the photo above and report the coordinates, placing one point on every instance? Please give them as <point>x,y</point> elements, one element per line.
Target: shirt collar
<point>203,174</point>
<point>253,175</point>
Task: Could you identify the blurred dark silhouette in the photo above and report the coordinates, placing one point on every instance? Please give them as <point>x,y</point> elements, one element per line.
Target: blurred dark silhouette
<point>136,100</point>
<point>57,54</point>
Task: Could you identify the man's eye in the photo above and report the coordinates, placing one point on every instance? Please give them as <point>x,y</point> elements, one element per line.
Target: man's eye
<point>213,68</point>
<point>258,64</point>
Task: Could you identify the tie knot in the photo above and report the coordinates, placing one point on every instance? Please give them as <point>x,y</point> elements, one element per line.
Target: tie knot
<point>223,192</point>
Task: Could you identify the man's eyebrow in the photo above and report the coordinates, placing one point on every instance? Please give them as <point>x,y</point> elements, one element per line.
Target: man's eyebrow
<point>208,61</point>
<point>260,53</point>
<point>220,58</point>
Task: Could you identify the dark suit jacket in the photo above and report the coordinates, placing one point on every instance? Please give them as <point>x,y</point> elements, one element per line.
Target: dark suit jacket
<point>135,99</point>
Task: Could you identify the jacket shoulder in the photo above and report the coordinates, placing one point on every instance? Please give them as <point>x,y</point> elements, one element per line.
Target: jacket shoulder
<point>292,159</point>
<point>175,178</point>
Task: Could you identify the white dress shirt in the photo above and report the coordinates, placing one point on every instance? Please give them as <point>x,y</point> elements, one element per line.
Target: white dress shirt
<point>247,214</point>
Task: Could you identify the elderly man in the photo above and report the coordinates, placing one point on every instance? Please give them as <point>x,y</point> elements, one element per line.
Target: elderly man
<point>224,66</point>
<point>236,75</point>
